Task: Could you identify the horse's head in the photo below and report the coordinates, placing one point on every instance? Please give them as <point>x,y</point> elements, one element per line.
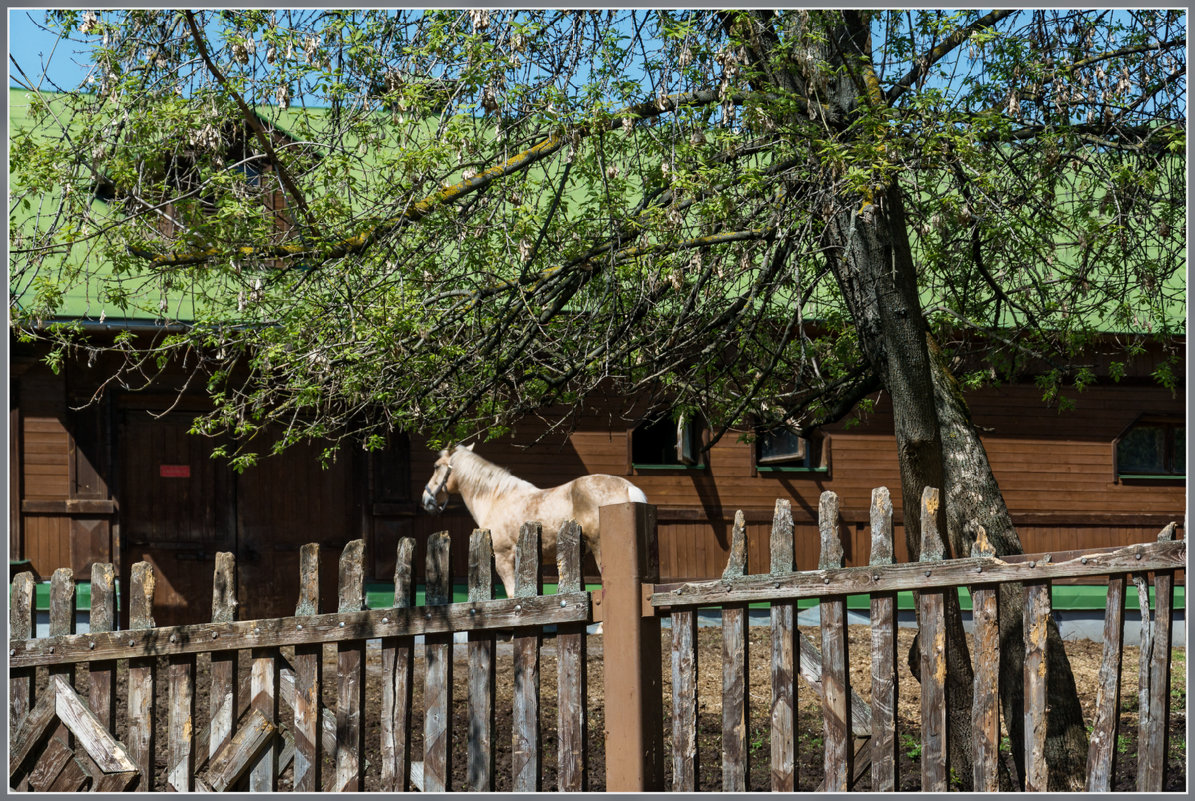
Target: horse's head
<point>442,483</point>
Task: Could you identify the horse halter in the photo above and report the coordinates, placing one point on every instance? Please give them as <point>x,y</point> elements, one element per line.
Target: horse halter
<point>433,494</point>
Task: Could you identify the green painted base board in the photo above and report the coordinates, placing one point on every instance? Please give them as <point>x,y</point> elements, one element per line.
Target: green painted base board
<point>1067,597</point>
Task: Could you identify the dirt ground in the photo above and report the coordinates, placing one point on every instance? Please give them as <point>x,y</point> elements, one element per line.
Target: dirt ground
<point>1084,656</point>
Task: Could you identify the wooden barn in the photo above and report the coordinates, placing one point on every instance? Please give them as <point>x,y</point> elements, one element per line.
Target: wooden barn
<point>121,480</point>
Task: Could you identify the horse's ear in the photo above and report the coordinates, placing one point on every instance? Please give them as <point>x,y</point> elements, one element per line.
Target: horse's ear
<point>469,447</point>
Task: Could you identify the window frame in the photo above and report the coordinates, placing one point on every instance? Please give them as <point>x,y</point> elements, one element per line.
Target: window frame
<point>698,436</point>
<point>1169,422</point>
<point>818,450</point>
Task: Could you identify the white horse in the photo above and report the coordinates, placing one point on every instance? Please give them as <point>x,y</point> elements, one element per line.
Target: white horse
<point>502,502</point>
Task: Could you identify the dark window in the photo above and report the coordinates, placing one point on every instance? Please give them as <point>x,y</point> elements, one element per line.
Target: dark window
<point>785,448</point>
<point>666,442</point>
<point>1152,447</point>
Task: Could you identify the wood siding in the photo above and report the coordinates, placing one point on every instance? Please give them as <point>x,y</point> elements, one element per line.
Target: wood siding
<point>1056,471</point>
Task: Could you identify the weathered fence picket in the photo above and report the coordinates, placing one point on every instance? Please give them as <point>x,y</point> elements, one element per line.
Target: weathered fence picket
<point>350,674</point>
<point>1037,618</point>
<point>985,710</point>
<point>101,680</point>
<point>398,682</point>
<point>572,721</point>
<point>22,624</point>
<point>784,647</point>
<point>1101,754</point>
<point>684,700</point>
<point>308,681</point>
<point>142,678</point>
<point>437,686</point>
<point>527,771</point>
<point>836,697</point>
<point>932,620</point>
<point>1155,708</point>
<point>884,678</point>
<point>480,752</point>
<point>62,622</point>
<point>735,690</point>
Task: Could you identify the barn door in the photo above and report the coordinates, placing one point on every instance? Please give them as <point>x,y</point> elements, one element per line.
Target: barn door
<point>177,511</point>
<point>284,502</point>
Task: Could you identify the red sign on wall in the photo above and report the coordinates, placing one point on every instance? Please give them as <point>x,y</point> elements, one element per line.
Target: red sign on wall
<point>174,470</point>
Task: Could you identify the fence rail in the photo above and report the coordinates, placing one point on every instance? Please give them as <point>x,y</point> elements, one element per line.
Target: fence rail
<point>272,716</point>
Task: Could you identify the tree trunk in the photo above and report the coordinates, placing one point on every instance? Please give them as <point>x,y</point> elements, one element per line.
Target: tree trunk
<point>972,498</point>
<point>876,275</point>
<point>937,445</point>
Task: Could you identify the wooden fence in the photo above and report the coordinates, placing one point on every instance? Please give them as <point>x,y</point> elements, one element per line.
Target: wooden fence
<point>275,718</point>
<point>62,743</point>
<point>868,734</point>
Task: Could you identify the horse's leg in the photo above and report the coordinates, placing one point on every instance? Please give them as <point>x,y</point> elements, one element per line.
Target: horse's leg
<point>504,562</point>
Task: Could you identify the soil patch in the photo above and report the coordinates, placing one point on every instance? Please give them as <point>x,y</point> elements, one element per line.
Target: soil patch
<point>1085,657</point>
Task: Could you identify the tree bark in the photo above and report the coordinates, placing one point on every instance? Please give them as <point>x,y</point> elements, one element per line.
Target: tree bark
<point>972,498</point>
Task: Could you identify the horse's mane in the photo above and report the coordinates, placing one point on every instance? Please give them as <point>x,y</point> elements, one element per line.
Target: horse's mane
<point>473,469</point>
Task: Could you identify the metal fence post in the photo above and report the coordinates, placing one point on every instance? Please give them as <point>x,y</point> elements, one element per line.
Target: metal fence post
<point>631,649</point>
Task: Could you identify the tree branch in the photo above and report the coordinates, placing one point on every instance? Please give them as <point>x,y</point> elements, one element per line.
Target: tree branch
<point>447,195</point>
<point>253,122</point>
<point>936,54</point>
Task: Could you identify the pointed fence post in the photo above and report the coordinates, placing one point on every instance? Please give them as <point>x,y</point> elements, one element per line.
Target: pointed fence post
<point>309,669</point>
<point>1101,753</point>
<point>142,678</point>
<point>526,769</point>
<point>836,696</point>
<point>102,675</point>
<point>885,687</point>
<point>1037,620</point>
<point>480,752</point>
<point>631,649</point>
<point>1155,725</point>
<point>224,701</point>
<point>22,624</point>
<point>398,680</point>
<point>985,711</point>
<point>350,668</point>
<point>784,649</point>
<point>437,688</point>
<point>735,690</point>
<point>572,724</point>
<point>935,769</point>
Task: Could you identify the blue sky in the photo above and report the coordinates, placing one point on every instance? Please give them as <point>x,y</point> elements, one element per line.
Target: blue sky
<point>30,47</point>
